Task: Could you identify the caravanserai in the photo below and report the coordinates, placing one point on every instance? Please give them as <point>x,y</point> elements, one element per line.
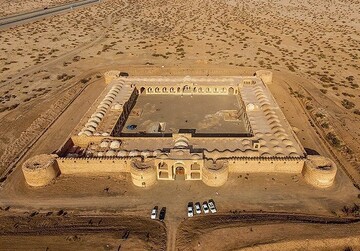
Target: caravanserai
<point>189,128</point>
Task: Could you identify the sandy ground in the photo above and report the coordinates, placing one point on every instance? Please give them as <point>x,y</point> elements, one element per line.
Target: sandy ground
<point>270,236</point>
<point>12,7</point>
<point>52,231</point>
<point>312,47</point>
<point>307,41</point>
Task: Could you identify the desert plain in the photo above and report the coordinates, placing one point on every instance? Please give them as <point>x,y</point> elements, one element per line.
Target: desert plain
<point>51,71</point>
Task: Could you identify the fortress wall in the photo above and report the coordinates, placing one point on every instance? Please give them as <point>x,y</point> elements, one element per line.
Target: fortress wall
<point>285,165</point>
<point>83,141</point>
<point>93,166</point>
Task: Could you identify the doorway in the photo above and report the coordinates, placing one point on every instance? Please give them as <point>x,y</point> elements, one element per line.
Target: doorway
<point>179,172</point>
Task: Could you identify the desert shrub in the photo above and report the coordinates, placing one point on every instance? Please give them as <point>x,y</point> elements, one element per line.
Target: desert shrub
<point>325,125</point>
<point>332,138</point>
<point>323,91</point>
<point>347,104</point>
<point>357,111</point>
<point>308,107</point>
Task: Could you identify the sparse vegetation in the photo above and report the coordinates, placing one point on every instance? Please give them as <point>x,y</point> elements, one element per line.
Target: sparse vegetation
<point>347,104</point>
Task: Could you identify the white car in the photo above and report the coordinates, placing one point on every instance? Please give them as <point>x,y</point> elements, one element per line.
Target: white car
<point>205,207</point>
<point>212,206</point>
<point>197,208</point>
<point>190,210</point>
<point>154,213</point>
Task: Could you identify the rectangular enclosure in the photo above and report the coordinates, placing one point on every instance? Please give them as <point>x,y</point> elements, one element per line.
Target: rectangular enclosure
<point>203,114</point>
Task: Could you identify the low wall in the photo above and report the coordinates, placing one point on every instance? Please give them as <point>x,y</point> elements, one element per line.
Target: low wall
<point>270,165</point>
<point>93,166</point>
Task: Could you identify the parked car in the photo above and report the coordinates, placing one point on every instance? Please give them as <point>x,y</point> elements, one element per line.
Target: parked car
<point>162,214</point>
<point>190,209</point>
<point>154,213</point>
<point>205,207</point>
<point>124,74</point>
<point>212,206</point>
<point>197,208</point>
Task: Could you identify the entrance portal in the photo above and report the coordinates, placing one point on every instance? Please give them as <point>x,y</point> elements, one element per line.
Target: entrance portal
<point>179,173</point>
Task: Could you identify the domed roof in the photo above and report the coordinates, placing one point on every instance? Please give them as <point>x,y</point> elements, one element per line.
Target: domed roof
<point>104,144</point>
<point>95,119</point>
<point>195,156</point>
<point>122,154</point>
<point>87,132</point>
<point>115,144</point>
<point>110,153</point>
<point>163,156</point>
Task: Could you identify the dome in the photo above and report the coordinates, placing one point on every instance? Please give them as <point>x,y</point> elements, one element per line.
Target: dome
<point>195,156</point>
<point>92,123</point>
<point>122,154</point>
<point>279,155</point>
<point>115,144</point>
<point>104,144</point>
<point>95,119</point>
<point>181,144</point>
<point>106,102</point>
<point>266,155</point>
<point>278,149</point>
<point>110,153</point>
<point>287,142</point>
<point>250,107</point>
<point>91,129</point>
<point>87,132</point>
<point>134,153</point>
<point>163,156</point>
<point>145,154</point>
<point>293,154</point>
<point>117,107</point>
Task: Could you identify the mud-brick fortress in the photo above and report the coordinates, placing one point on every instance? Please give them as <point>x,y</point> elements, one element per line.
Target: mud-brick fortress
<point>182,128</point>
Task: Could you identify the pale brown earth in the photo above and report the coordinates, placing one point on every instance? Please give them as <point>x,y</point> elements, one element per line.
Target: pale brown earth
<point>12,7</point>
<point>312,47</point>
<point>207,114</point>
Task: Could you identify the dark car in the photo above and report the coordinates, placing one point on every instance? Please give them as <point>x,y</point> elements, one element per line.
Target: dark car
<point>162,214</point>
<point>124,74</point>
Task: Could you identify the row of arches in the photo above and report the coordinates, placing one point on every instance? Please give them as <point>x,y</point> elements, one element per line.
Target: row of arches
<point>188,89</point>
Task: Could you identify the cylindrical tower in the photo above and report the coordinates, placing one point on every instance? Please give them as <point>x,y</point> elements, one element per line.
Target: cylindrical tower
<point>215,174</point>
<point>319,171</point>
<point>110,76</point>
<point>40,170</point>
<point>143,174</point>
